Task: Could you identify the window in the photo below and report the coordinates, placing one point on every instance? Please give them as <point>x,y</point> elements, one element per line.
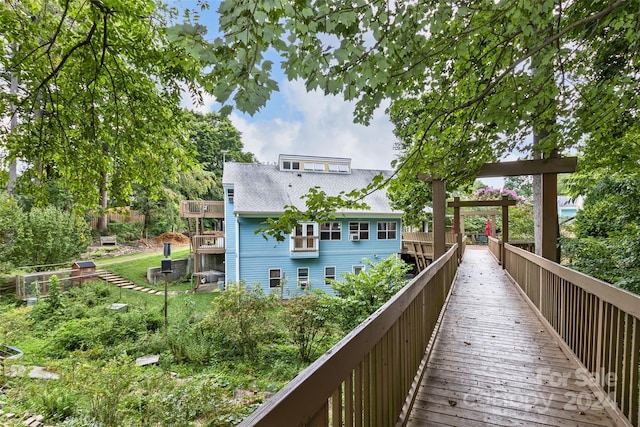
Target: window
<point>230,195</point>
<point>357,269</point>
<point>288,165</point>
<point>275,277</point>
<point>360,229</point>
<point>304,237</point>
<point>387,230</point>
<point>312,166</point>
<point>303,277</point>
<point>331,231</point>
<point>329,275</point>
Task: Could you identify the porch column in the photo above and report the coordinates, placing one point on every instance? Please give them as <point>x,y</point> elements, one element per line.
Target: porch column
<point>439,213</point>
<point>550,248</point>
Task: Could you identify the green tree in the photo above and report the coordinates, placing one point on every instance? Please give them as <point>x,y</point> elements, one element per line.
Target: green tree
<point>216,140</point>
<point>359,295</point>
<point>99,86</point>
<point>523,185</point>
<point>50,236</point>
<point>11,229</point>
<point>462,93</point>
<point>606,233</point>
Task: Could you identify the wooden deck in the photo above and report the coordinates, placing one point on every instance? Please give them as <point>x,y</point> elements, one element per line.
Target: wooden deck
<point>494,363</point>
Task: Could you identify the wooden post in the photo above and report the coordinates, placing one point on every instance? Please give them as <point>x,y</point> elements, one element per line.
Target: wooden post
<point>456,227</point>
<point>439,214</point>
<point>550,248</point>
<point>492,218</point>
<point>505,230</point>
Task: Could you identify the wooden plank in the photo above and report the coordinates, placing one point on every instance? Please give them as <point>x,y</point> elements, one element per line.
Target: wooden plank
<point>494,362</point>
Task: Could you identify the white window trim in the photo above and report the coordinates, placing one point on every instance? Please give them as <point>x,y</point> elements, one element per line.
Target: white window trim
<point>387,230</point>
<point>331,231</point>
<point>281,278</point>
<point>315,236</point>
<point>300,280</point>
<point>335,273</point>
<point>359,230</point>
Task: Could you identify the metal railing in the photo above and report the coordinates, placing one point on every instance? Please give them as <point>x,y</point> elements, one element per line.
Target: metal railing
<point>365,379</point>
<point>598,322</point>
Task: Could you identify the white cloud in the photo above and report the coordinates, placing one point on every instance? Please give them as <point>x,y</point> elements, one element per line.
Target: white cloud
<point>321,126</point>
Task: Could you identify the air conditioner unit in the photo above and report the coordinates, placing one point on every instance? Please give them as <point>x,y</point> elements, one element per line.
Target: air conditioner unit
<point>303,283</point>
<point>354,237</point>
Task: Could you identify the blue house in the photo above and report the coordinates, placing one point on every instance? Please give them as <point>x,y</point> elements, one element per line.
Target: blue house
<point>313,253</point>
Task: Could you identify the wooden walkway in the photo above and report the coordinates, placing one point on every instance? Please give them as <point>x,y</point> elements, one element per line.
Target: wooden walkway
<point>494,363</point>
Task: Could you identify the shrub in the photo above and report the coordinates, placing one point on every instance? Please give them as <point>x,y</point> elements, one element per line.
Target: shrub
<point>56,404</point>
<point>190,342</point>
<point>125,231</point>
<point>306,320</point>
<point>359,295</point>
<point>241,318</point>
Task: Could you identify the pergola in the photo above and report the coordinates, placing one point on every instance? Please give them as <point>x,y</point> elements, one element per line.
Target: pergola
<point>549,168</point>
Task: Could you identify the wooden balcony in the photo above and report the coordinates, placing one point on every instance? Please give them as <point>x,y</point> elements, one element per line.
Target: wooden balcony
<point>208,243</point>
<point>304,247</point>
<point>532,344</point>
<point>201,209</point>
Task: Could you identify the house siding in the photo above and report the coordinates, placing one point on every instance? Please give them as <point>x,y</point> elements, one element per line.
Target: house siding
<point>258,255</point>
<point>230,254</point>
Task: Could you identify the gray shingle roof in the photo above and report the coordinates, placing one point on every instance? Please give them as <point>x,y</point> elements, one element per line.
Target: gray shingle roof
<point>265,189</point>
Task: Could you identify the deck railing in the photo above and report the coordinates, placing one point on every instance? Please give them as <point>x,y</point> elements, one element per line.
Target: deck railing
<point>201,209</point>
<point>365,379</point>
<point>208,243</point>
<point>420,245</point>
<point>495,248</point>
<point>598,322</point>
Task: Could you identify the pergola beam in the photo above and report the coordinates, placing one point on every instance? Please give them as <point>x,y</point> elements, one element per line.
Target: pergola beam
<point>480,213</point>
<point>529,167</point>
<point>471,203</point>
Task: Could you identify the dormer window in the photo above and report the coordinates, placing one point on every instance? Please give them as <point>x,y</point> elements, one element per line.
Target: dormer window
<point>289,165</point>
<point>291,162</point>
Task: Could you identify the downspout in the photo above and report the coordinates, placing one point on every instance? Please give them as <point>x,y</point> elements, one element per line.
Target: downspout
<point>237,231</point>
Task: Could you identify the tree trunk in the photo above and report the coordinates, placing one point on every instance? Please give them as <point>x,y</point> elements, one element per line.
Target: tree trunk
<point>13,169</point>
<point>102,218</point>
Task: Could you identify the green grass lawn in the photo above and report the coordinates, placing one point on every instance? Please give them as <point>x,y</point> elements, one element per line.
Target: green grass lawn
<point>134,267</point>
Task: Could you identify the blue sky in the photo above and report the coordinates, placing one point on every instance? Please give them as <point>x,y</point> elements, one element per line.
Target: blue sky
<point>297,122</point>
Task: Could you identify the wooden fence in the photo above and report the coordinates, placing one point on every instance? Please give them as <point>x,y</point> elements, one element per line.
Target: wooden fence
<point>598,322</point>
<point>365,379</point>
<point>119,215</point>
